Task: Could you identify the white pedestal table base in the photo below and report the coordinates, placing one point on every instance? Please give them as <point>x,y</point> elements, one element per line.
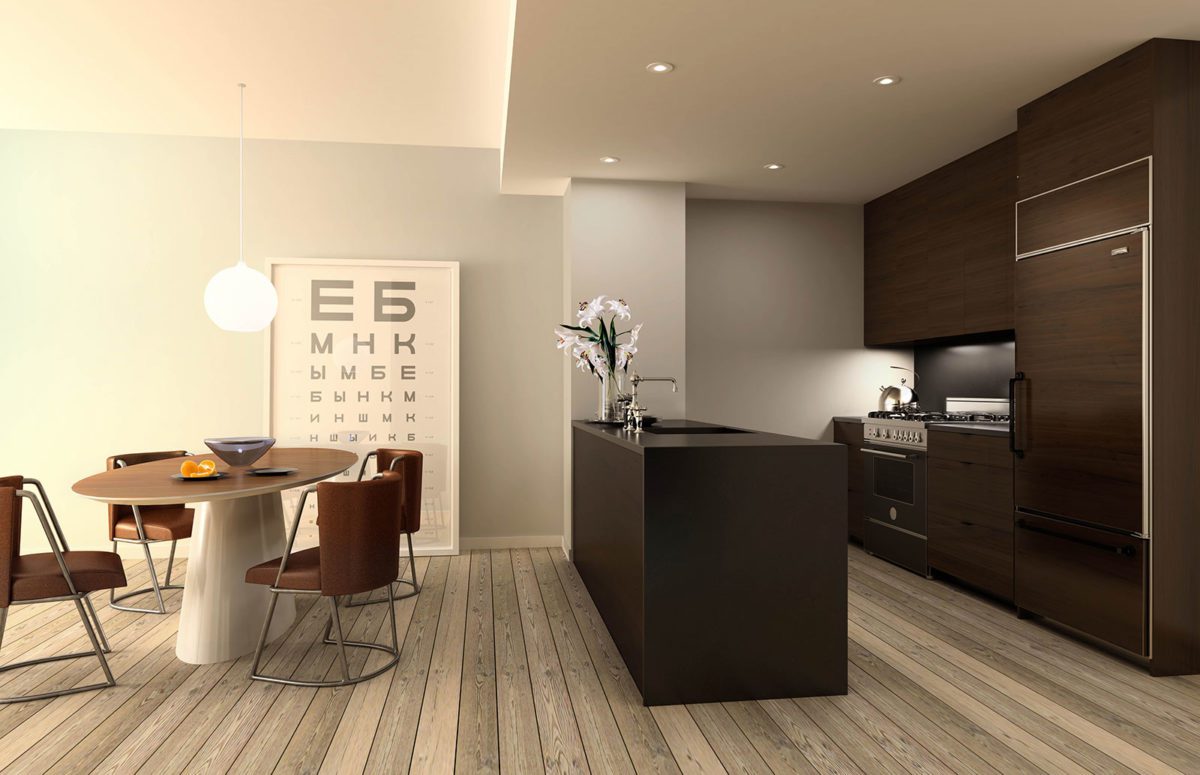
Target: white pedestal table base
<point>222,615</point>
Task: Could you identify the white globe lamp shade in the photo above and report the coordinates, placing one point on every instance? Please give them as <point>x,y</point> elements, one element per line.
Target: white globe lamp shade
<point>240,299</point>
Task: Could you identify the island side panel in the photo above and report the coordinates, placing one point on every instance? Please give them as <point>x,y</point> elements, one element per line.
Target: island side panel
<point>607,537</point>
<point>745,573</point>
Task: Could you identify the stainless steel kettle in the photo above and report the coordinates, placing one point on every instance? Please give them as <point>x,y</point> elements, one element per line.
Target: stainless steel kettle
<point>894,397</point>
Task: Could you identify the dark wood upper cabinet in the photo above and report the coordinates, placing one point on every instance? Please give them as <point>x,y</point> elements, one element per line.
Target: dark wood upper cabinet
<point>1100,120</point>
<point>939,251</point>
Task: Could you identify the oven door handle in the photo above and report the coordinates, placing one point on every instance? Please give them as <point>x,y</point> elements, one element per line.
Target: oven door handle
<point>881,453</point>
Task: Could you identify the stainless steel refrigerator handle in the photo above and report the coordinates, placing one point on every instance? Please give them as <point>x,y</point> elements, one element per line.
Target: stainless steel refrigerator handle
<point>866,451</point>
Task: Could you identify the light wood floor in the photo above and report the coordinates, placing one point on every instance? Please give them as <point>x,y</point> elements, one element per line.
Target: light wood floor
<point>507,667</point>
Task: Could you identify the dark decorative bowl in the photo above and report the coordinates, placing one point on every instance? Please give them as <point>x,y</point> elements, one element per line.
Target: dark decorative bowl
<point>240,451</point>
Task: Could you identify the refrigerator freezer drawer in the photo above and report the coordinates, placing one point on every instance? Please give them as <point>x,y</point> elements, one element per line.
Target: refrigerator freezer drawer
<point>1089,579</point>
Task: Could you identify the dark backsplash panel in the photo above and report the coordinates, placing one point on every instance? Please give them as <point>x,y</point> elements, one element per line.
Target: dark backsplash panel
<point>980,369</point>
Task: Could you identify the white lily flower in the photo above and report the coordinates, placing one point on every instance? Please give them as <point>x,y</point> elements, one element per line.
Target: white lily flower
<point>625,353</point>
<point>590,310</point>
<point>633,334</point>
<point>620,307</point>
<point>582,364</point>
<point>566,339</point>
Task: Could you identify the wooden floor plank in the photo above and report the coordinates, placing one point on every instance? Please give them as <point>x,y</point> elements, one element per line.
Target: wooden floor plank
<point>437,727</point>
<point>517,726</point>
<point>689,747</point>
<point>478,748</point>
<point>598,729</point>
<point>562,747</point>
<point>350,743</point>
<point>731,745</point>
<point>506,666</point>
<point>775,736</point>
<point>643,739</point>
<point>864,750</point>
<point>313,737</point>
<point>396,724</point>
<point>1145,730</point>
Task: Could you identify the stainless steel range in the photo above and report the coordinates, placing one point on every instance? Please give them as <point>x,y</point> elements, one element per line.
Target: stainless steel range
<point>894,444</point>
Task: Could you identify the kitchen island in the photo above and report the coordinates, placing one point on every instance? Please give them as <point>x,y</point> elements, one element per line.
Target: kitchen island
<point>716,557</point>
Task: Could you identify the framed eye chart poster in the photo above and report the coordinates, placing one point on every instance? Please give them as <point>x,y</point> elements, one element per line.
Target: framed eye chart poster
<point>363,355</point>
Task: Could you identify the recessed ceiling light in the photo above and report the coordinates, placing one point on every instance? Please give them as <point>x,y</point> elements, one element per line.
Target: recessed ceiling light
<point>887,80</point>
<point>660,67</point>
<point>773,166</point>
<point>609,159</point>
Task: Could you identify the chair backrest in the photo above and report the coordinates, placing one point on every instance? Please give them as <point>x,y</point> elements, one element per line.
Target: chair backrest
<point>118,511</point>
<point>10,533</point>
<point>410,466</point>
<point>359,534</point>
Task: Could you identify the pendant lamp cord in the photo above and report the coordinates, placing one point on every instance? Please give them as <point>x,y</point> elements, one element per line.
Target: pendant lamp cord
<point>241,174</point>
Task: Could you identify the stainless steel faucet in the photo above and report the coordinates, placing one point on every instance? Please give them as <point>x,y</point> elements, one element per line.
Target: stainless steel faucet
<point>635,412</point>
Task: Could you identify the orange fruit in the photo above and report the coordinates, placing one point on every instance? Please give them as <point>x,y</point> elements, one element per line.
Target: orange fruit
<point>188,468</point>
<point>207,468</point>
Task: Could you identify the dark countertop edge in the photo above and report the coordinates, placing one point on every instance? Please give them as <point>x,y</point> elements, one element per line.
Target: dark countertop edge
<point>977,429</point>
<point>644,441</point>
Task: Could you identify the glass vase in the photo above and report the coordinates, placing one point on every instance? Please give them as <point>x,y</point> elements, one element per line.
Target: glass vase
<point>610,391</point>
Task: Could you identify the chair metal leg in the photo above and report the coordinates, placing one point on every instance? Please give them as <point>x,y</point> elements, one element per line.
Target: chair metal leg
<point>337,622</point>
<point>156,588</point>
<point>96,620</point>
<point>262,638</point>
<point>334,626</point>
<point>87,625</point>
<point>96,651</point>
<point>170,564</point>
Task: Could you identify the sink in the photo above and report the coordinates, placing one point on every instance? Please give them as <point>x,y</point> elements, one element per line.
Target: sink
<point>665,431</point>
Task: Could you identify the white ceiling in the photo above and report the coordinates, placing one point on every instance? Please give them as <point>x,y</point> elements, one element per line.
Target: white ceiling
<point>418,72</point>
<point>790,81</point>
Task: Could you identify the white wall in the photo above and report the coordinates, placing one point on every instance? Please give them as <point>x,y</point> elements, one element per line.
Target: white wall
<point>626,239</point>
<point>775,317</point>
<point>107,241</point>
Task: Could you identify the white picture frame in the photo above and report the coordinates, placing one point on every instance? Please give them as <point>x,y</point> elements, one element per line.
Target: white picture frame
<point>298,346</point>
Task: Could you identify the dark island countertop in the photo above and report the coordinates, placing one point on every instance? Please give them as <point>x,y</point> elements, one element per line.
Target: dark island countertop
<point>654,437</point>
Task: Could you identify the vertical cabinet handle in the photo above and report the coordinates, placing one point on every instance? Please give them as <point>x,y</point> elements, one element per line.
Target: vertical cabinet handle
<point>1012,414</point>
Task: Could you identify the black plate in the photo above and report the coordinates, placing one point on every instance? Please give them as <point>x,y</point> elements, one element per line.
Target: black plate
<point>182,478</point>
<point>273,471</point>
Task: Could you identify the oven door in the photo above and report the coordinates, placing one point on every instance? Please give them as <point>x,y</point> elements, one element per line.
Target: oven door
<point>894,487</point>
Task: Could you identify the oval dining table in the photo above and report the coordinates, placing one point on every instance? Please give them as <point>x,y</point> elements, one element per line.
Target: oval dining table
<point>239,523</point>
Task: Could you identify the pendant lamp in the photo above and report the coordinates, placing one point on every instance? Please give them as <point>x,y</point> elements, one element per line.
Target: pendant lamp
<point>240,298</point>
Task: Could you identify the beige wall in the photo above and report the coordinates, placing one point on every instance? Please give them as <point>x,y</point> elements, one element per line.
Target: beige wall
<point>775,315</point>
<point>107,241</point>
<point>625,238</point>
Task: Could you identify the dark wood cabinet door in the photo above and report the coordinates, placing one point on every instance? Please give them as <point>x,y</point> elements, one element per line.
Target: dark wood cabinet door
<point>1078,414</point>
<point>1113,201</point>
<point>1100,120</point>
<point>938,252</point>
<point>971,524</point>
<point>1092,580</point>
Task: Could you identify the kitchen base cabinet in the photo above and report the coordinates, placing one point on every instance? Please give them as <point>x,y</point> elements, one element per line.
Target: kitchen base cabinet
<point>970,510</point>
<point>850,433</point>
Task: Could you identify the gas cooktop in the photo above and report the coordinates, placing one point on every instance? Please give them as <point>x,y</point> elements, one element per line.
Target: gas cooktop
<point>927,417</point>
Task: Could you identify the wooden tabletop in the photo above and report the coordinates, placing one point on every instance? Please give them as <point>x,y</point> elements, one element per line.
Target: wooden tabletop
<point>151,484</point>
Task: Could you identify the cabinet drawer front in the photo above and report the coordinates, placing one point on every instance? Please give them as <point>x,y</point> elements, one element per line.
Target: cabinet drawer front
<point>1089,579</point>
<point>975,551</point>
<point>851,434</point>
<point>970,448</point>
<point>855,517</point>
<point>1113,201</point>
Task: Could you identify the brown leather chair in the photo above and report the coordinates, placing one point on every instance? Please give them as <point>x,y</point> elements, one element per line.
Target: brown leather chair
<point>59,574</point>
<point>147,525</point>
<point>408,463</point>
<point>359,551</point>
